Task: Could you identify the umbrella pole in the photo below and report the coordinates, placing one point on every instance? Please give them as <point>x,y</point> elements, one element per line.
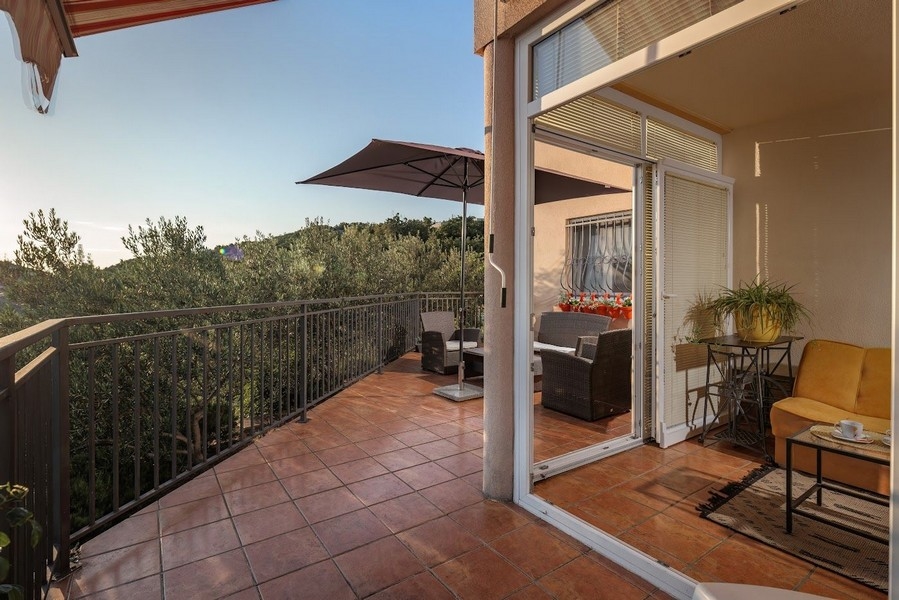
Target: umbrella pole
<point>462,391</point>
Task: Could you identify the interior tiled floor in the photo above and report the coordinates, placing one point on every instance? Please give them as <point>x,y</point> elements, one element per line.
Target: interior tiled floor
<point>379,496</point>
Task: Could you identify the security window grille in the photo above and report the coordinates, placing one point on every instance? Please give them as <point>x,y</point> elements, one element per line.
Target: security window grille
<point>610,32</point>
<point>600,253</point>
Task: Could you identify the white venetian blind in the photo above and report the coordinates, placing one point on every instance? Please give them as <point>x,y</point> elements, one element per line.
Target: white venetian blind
<point>610,32</point>
<point>694,255</point>
<point>665,141</point>
<point>598,121</point>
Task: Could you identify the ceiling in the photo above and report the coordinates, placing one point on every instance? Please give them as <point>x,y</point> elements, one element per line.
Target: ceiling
<point>821,53</point>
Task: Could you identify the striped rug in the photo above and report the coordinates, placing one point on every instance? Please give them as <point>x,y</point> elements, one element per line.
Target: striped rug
<point>756,507</point>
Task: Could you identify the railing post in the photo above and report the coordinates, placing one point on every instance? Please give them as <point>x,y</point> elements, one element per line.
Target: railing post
<point>381,325</point>
<point>59,459</point>
<point>7,420</point>
<point>304,363</point>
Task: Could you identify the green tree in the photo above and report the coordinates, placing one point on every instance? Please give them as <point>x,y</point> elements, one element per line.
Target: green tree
<point>47,244</point>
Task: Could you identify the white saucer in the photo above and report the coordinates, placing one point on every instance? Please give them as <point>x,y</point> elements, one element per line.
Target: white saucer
<point>865,439</point>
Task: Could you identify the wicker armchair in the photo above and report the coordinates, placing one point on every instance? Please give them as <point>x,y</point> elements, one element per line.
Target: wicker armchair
<point>440,341</point>
<point>593,383</point>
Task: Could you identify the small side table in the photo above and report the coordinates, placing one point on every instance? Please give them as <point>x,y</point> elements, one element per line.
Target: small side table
<point>741,375</point>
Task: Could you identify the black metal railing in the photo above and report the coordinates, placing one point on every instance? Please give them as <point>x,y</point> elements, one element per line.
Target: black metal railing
<point>101,415</point>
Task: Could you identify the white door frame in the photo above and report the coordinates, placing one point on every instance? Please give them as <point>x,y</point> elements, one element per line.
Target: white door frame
<point>668,579</point>
<point>669,435</point>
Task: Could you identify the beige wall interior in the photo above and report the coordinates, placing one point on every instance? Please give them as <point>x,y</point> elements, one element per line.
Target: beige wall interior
<point>812,208</point>
<point>550,218</point>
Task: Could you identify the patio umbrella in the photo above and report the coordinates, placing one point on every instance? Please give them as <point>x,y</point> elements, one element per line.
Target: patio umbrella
<point>419,170</point>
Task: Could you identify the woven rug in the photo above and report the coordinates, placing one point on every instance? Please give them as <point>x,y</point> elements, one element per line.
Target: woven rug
<point>756,507</point>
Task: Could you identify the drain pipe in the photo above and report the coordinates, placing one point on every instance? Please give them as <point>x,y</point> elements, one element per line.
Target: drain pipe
<point>490,259</point>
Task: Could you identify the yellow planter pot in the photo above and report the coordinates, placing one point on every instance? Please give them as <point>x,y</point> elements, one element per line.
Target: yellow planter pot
<point>760,329</point>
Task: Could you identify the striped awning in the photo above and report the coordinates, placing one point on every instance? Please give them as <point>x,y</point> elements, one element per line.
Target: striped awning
<point>46,28</point>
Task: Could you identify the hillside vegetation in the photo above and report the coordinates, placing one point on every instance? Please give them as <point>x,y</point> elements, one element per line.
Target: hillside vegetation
<point>172,266</point>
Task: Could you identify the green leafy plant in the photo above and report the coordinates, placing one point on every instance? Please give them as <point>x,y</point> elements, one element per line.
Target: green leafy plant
<point>771,302</point>
<point>11,498</point>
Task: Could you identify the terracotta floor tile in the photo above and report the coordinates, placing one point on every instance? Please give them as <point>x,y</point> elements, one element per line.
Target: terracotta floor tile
<point>378,489</point>
<point>357,470</point>
<point>675,537</point>
<point>632,578</point>
<point>830,585</point>
<point>253,498</point>
<point>450,429</point>
<point>247,457</point>
<point>452,495</point>
<point>481,574</point>
<point>268,522</point>
<point>246,477</point>
<point>195,489</point>
<point>462,464</point>
<point>489,519</point>
<point>277,436</point>
<point>321,581</point>
<point>534,550</point>
<point>378,565</point>
<point>116,568</point>
<point>424,475</point>
<point>134,530</point>
<point>416,436</point>
<point>615,508</point>
<point>405,512</point>
<point>275,452</point>
<point>565,491</point>
<point>381,445</point>
<point>251,593</point>
<point>313,482</point>
<point>326,505</point>
<point>649,492</point>
<point>366,432</point>
<point>438,541</point>
<point>740,559</point>
<point>296,465</point>
<point>531,592</point>
<point>198,543</point>
<point>401,459</point>
<point>192,514</point>
<point>349,531</point>
<point>423,586</point>
<point>586,578</point>
<point>282,554</point>
<point>438,449</point>
<point>146,588</point>
<point>213,577</point>
<point>398,426</point>
<point>468,441</point>
<point>318,443</point>
<point>341,454</point>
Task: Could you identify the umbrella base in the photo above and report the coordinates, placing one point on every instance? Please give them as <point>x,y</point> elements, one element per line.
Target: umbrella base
<point>460,393</point>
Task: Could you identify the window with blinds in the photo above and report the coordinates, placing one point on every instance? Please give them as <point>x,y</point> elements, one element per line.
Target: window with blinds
<point>600,253</point>
<point>598,121</point>
<point>665,141</point>
<point>610,32</point>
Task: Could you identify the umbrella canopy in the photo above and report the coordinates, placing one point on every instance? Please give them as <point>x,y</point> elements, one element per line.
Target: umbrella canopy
<point>419,170</point>
<point>413,169</point>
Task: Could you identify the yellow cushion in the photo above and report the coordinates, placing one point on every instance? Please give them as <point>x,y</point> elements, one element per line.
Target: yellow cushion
<point>830,372</point>
<point>876,383</point>
<point>790,415</point>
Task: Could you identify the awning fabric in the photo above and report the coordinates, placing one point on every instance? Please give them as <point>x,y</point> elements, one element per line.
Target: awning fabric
<point>45,29</point>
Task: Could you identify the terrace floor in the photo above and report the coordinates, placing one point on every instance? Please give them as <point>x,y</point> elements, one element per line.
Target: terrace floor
<point>378,495</point>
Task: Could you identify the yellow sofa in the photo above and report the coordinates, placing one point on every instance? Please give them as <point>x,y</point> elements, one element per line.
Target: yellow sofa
<point>837,381</point>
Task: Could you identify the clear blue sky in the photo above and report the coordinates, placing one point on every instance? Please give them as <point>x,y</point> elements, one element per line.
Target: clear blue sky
<point>215,117</point>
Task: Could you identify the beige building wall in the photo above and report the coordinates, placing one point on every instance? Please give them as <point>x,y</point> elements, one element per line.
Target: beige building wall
<point>813,207</point>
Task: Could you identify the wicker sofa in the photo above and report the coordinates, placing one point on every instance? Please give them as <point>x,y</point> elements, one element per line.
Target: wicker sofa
<point>595,381</point>
<point>440,340</point>
<point>562,329</point>
<point>837,381</point>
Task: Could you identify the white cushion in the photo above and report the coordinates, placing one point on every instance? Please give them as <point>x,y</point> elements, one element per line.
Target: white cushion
<point>454,345</point>
<point>742,591</point>
<point>538,346</point>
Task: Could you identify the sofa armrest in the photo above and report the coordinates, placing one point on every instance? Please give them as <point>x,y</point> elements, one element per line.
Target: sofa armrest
<point>586,346</point>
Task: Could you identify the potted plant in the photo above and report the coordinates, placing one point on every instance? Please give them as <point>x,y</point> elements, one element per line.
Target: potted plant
<point>761,309</point>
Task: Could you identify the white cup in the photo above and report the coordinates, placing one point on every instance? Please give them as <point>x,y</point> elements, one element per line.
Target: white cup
<point>852,430</point>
